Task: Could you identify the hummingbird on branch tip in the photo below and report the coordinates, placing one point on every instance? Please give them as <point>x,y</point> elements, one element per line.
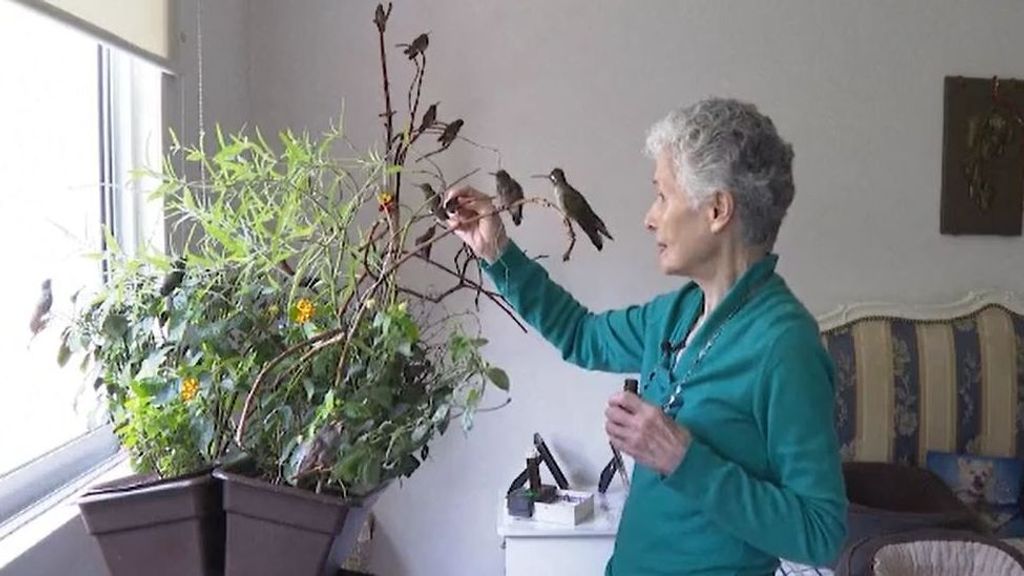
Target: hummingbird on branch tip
<point>416,47</point>
<point>576,208</point>
<point>380,17</point>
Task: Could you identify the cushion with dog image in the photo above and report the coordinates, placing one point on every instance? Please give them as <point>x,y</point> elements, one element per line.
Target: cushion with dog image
<point>991,486</point>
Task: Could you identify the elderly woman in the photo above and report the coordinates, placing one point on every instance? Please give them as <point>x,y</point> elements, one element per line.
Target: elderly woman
<point>737,459</point>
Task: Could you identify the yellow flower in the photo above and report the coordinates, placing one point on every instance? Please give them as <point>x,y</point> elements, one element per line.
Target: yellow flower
<point>304,311</point>
<point>189,388</point>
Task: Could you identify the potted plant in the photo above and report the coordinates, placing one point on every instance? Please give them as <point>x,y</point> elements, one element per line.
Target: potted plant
<point>369,369</point>
<point>157,344</point>
<point>285,345</point>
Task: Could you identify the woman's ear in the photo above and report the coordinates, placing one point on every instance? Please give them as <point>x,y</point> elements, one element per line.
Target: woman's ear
<point>721,209</point>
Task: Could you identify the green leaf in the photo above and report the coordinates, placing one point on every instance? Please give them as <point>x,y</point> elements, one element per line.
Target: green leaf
<point>287,416</point>
<point>371,469</point>
<point>473,398</point>
<point>151,365</point>
<point>353,411</point>
<point>498,377</point>
<point>177,326</point>
<point>112,244</point>
<point>206,432</point>
<point>309,329</point>
<point>165,394</point>
<point>351,463</point>
<point>381,395</point>
<point>64,353</point>
<point>115,326</point>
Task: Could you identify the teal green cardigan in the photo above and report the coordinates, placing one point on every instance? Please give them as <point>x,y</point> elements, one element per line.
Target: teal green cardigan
<point>762,478</point>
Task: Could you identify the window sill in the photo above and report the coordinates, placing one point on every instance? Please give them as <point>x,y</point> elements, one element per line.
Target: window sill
<point>56,510</point>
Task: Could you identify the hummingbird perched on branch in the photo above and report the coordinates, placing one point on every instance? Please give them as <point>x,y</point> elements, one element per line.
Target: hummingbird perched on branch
<point>173,278</point>
<point>320,452</point>
<point>434,201</point>
<point>41,314</point>
<point>451,131</point>
<point>577,209</point>
<point>429,117</point>
<point>427,235</point>
<point>509,191</point>
<point>416,47</point>
<point>380,17</point>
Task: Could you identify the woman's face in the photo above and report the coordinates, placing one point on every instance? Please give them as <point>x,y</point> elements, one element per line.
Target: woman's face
<point>682,230</point>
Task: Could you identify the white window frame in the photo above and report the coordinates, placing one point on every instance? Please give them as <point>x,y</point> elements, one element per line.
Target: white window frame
<point>26,491</point>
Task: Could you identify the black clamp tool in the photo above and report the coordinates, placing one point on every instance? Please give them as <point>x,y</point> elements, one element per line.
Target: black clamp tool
<point>616,463</point>
<point>520,498</point>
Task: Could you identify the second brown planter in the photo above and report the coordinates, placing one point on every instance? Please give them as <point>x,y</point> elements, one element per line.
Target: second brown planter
<point>274,530</point>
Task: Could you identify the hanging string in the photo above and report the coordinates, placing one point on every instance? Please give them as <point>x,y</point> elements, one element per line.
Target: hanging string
<point>199,86</point>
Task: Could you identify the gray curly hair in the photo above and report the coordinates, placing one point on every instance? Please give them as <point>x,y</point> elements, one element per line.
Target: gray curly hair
<point>724,144</point>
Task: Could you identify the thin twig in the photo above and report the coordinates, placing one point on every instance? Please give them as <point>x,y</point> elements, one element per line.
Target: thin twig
<point>572,239</point>
<point>494,297</point>
<point>463,177</point>
<point>388,112</point>
<point>481,146</point>
<point>247,406</point>
<point>479,410</point>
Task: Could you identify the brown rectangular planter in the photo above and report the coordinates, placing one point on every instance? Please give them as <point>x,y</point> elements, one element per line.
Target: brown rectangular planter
<point>273,530</point>
<point>170,527</point>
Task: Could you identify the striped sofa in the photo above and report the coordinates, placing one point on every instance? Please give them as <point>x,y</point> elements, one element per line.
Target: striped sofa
<point>947,378</point>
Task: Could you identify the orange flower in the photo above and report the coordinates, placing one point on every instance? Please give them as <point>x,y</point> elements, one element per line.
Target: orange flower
<point>387,202</point>
<point>304,310</point>
<point>189,388</point>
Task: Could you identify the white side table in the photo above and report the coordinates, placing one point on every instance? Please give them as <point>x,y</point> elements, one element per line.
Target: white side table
<point>535,548</point>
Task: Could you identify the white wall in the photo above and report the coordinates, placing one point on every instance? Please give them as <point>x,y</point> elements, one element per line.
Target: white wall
<point>856,87</point>
<point>221,95</point>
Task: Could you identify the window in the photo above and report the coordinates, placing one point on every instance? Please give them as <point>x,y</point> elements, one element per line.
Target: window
<point>77,119</point>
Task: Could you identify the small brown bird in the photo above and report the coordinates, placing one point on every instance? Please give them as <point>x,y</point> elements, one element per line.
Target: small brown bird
<point>41,314</point>
<point>509,191</point>
<point>416,47</point>
<point>173,278</point>
<point>429,117</point>
<point>426,236</point>
<point>451,131</point>
<point>434,201</point>
<point>320,451</point>
<point>576,207</point>
<point>380,17</point>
